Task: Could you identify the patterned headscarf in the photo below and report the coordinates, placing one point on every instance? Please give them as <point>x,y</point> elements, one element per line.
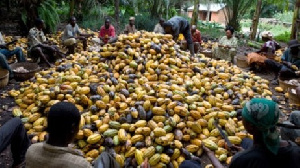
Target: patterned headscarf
<point>264,115</point>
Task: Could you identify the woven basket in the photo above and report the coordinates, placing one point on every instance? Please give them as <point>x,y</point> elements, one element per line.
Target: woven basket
<point>21,76</point>
<point>285,86</point>
<point>241,61</point>
<point>207,53</point>
<point>4,77</point>
<point>293,98</point>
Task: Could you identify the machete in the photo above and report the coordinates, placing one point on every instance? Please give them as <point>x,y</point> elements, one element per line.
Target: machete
<point>229,144</point>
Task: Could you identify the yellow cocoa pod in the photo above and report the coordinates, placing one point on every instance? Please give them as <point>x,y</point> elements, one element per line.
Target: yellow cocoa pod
<point>34,117</point>
<point>164,158</point>
<point>196,127</point>
<point>120,159</point>
<point>221,151</point>
<point>94,153</point>
<point>87,132</point>
<point>159,132</point>
<point>196,142</point>
<point>39,121</point>
<point>122,135</point>
<point>176,154</point>
<point>154,159</point>
<point>80,135</point>
<point>139,156</point>
<point>149,152</point>
<point>130,152</point>
<point>235,140</point>
<point>141,123</point>
<point>92,139</point>
<point>158,111</point>
<point>215,132</point>
<point>137,138</point>
<point>192,148</point>
<point>42,136</point>
<point>210,144</point>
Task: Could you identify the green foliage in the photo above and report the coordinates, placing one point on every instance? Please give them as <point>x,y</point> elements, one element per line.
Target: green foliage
<point>145,22</point>
<point>286,16</point>
<point>284,37</point>
<point>211,29</point>
<point>63,11</point>
<point>48,12</point>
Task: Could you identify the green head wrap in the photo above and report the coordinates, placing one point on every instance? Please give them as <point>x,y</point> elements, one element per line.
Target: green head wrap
<point>264,115</point>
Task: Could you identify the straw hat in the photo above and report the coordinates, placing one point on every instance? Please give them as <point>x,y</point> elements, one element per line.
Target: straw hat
<point>131,18</point>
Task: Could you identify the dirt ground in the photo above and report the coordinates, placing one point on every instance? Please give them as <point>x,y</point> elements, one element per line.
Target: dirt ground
<point>6,105</point>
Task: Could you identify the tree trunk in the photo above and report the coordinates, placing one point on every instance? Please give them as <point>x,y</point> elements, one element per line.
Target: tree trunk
<point>194,20</point>
<point>255,20</point>
<point>295,21</point>
<point>72,7</point>
<point>208,11</point>
<point>117,14</point>
<point>153,12</point>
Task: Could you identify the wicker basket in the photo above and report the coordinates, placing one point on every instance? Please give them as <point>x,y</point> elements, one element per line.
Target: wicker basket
<point>241,61</point>
<point>4,77</point>
<point>285,86</point>
<point>207,53</point>
<point>293,98</point>
<point>21,76</point>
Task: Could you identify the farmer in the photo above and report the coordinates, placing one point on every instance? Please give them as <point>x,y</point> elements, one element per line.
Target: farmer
<point>72,34</point>
<point>63,125</point>
<point>130,28</point>
<point>5,54</point>
<point>290,57</point>
<point>259,119</point>
<point>196,36</point>
<point>257,59</point>
<point>291,134</point>
<point>159,27</point>
<point>107,34</point>
<point>226,49</point>
<point>39,47</point>
<point>14,134</point>
<point>177,25</point>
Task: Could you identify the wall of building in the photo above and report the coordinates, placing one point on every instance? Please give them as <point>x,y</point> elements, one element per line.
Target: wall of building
<point>218,17</point>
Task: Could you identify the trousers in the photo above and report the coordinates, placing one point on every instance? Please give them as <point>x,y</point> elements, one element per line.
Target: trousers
<point>13,133</point>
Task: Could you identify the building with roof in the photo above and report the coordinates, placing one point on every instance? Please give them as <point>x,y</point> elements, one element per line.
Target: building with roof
<point>216,14</point>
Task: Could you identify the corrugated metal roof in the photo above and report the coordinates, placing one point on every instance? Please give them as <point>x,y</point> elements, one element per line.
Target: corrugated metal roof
<point>214,7</point>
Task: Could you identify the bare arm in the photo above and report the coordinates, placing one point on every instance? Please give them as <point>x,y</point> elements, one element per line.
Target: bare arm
<point>214,160</point>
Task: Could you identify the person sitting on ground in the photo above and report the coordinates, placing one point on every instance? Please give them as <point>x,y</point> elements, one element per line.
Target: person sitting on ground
<point>177,25</point>
<point>290,57</point>
<point>107,34</point>
<point>257,59</point>
<point>14,134</point>
<point>130,28</point>
<point>5,54</point>
<point>260,117</point>
<point>227,46</point>
<point>159,27</point>
<point>72,34</point>
<point>63,125</point>
<point>39,47</point>
<point>196,36</point>
<point>291,134</point>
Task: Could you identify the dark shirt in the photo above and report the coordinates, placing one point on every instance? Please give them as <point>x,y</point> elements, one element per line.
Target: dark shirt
<point>258,157</point>
<point>288,57</point>
<point>179,25</point>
